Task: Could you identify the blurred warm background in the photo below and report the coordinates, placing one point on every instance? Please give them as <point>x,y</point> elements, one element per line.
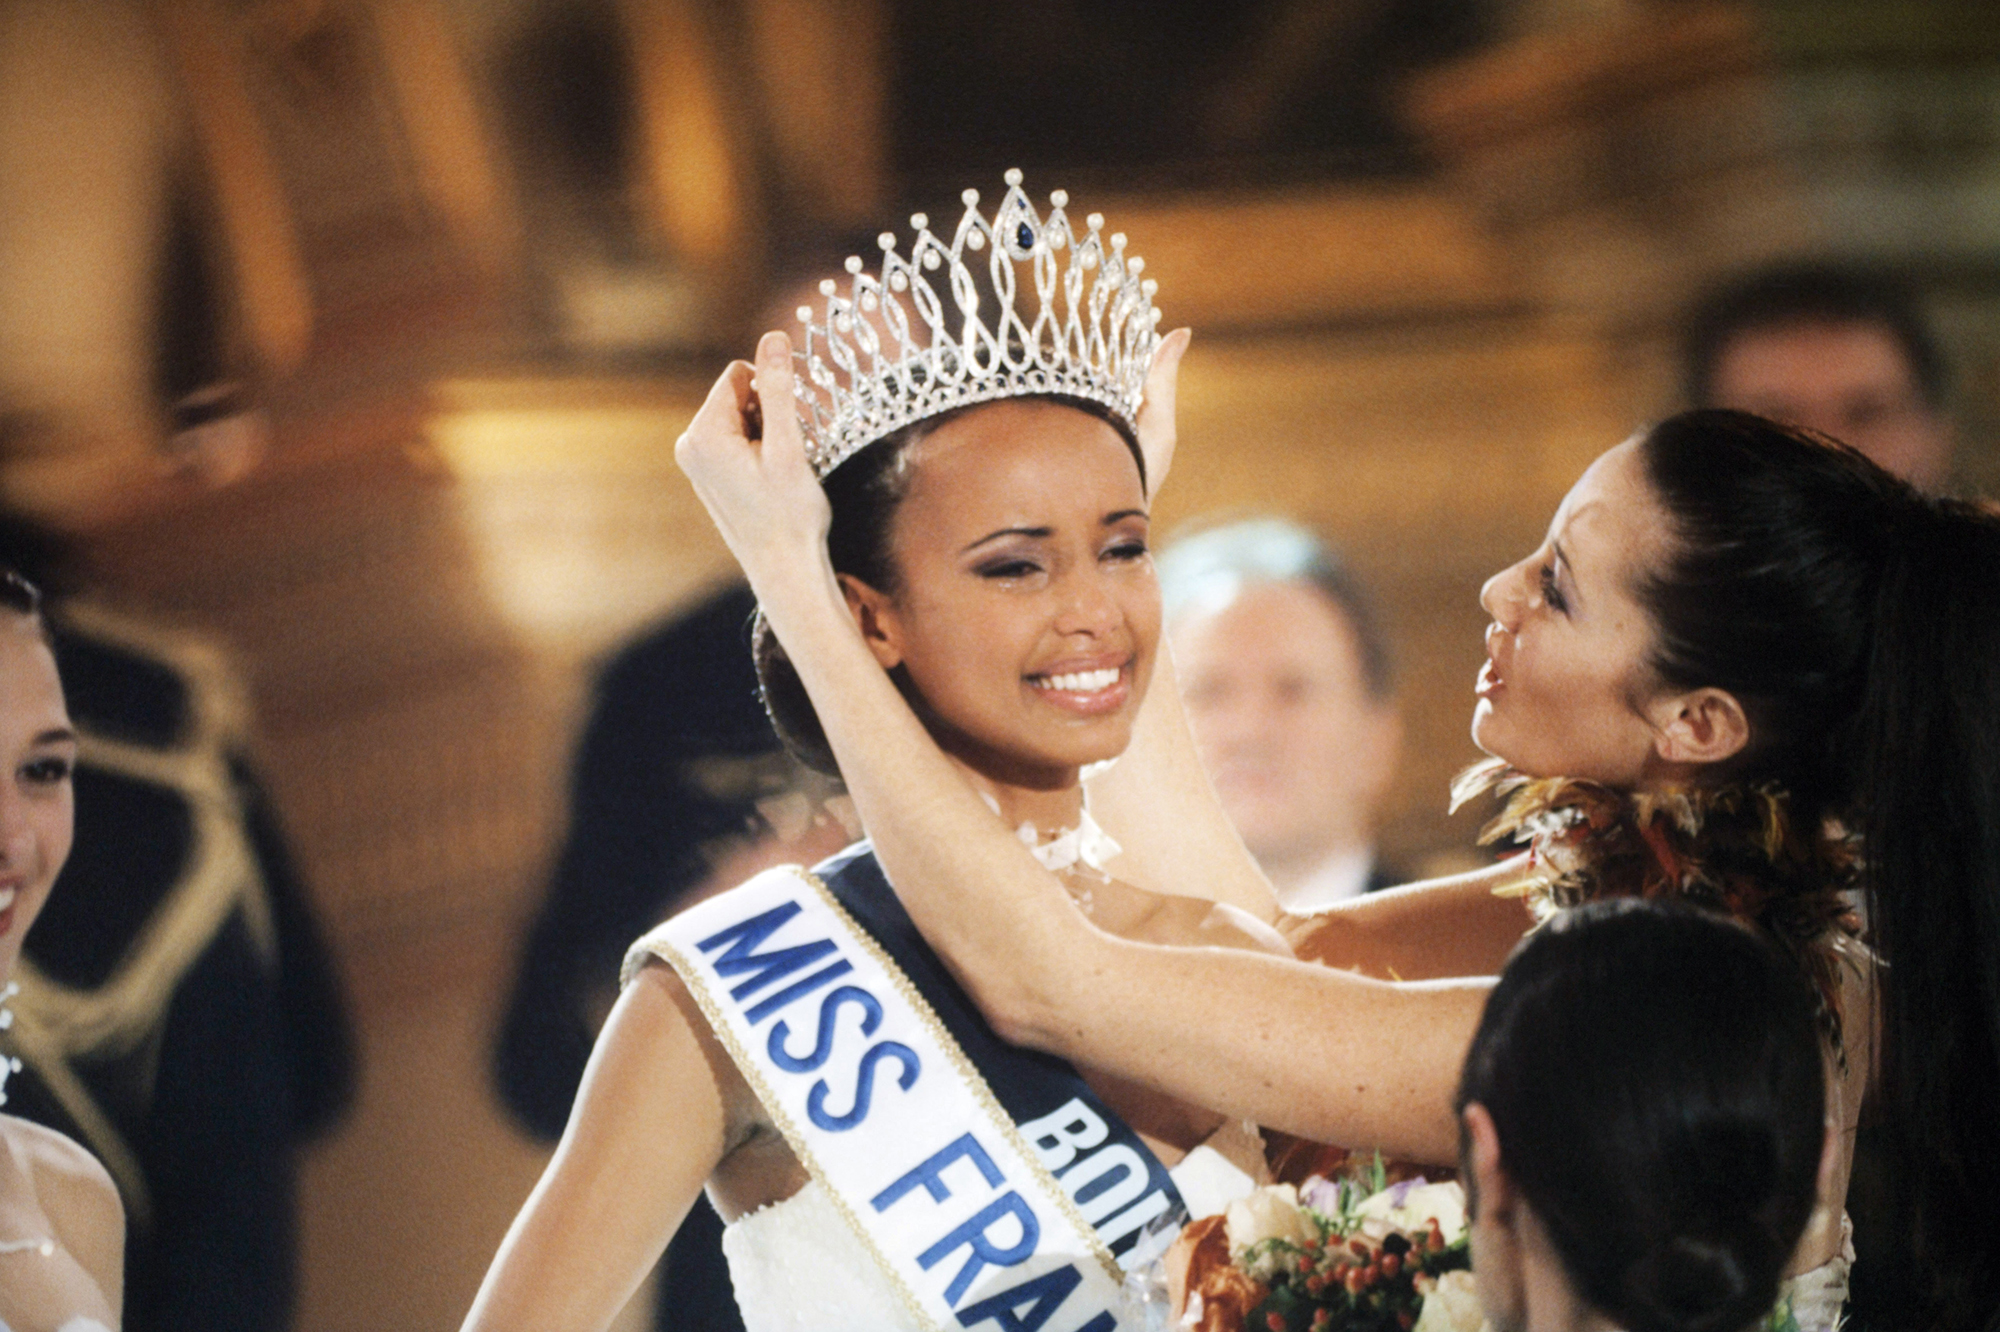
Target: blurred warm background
<point>458,271</point>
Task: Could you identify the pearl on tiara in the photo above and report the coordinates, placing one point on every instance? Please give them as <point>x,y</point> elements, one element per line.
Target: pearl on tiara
<point>888,352</point>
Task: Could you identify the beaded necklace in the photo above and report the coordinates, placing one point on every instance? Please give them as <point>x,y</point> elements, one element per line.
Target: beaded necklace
<point>41,1246</point>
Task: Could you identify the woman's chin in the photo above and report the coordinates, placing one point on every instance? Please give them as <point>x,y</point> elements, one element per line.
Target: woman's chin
<point>1107,742</point>
<point>1482,730</point>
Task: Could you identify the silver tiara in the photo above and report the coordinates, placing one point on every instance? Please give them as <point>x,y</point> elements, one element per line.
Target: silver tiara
<point>888,352</point>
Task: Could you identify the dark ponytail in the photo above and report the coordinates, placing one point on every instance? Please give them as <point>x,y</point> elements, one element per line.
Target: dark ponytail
<point>1657,1090</point>
<point>1859,624</point>
<point>1927,751</point>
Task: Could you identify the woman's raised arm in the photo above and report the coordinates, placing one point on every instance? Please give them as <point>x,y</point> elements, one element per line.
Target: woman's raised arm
<point>1157,800</point>
<point>1310,1050</point>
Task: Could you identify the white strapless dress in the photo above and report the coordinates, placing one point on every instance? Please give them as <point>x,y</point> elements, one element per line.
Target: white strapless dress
<point>78,1324</point>
<point>796,1265</point>
<point>1814,1298</point>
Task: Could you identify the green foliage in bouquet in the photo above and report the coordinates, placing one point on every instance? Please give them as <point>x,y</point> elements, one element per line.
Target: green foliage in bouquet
<point>1781,1319</point>
<point>1340,1279</point>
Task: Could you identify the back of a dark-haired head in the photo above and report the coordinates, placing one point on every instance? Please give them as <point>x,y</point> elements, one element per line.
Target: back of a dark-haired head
<point>1791,294</point>
<point>1859,623</point>
<point>863,494</point>
<point>1657,1088</point>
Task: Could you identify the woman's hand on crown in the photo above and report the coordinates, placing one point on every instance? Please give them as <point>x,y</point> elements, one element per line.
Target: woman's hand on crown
<point>745,456</point>
<point>1156,429</point>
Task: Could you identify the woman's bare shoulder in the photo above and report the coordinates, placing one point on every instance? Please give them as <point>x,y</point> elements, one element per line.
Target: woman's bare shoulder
<point>55,1159</point>
<point>654,1019</point>
<point>1504,873</point>
<point>76,1193</point>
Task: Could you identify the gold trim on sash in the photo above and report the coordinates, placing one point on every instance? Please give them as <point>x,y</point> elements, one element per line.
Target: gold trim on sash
<point>697,984</point>
<point>690,973</point>
<point>976,1080</point>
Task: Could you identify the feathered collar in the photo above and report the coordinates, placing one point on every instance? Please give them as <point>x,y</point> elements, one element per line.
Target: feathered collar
<point>1734,849</point>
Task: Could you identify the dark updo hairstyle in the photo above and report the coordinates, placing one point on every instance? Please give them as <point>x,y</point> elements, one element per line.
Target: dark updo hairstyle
<point>1858,622</point>
<point>1656,1085</point>
<point>864,493</point>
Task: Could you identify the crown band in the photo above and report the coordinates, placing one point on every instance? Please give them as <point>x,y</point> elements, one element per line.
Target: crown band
<point>891,351</point>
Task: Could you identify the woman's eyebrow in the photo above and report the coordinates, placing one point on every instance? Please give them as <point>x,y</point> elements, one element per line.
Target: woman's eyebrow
<point>1035,533</point>
<point>1112,519</point>
<point>56,735</point>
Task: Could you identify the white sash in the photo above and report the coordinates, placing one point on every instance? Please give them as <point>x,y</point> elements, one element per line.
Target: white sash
<point>884,1109</point>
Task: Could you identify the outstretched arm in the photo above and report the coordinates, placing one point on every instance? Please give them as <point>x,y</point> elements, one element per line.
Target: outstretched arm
<point>1157,799</point>
<point>1158,802</point>
<point>650,1123</point>
<point>1315,1051</point>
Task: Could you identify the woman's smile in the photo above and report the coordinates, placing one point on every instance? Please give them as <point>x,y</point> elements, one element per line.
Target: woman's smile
<point>37,752</point>
<point>1085,687</point>
<point>1025,614</point>
<point>1491,681</point>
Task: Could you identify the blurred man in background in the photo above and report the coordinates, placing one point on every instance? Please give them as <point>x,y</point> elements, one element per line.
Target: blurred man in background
<point>1831,348</point>
<point>1289,692</point>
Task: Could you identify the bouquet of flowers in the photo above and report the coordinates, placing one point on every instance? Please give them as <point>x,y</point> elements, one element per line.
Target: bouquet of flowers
<point>1348,1255</point>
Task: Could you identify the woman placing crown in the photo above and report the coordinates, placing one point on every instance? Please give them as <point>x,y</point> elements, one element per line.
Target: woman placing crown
<point>1746,667</point>
<point>883,1159</point>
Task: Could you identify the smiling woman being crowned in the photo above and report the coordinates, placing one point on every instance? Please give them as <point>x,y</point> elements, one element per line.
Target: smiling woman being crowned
<point>884,1160</point>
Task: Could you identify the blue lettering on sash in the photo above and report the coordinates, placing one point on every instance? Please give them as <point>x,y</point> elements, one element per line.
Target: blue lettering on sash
<point>746,936</point>
<point>739,945</point>
<point>864,1086</point>
<point>829,1009</point>
<point>984,1249</point>
<point>764,1007</point>
<point>1102,1178</point>
<point>929,1173</point>
<point>1046,1291</point>
<point>1106,1179</point>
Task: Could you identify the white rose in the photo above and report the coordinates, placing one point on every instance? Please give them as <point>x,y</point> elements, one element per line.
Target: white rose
<point>1452,1305</point>
<point>1410,1209</point>
<point>1271,1212</point>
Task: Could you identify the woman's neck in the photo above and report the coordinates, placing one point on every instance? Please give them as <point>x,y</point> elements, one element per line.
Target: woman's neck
<point>1048,810</point>
<point>1550,1303</point>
